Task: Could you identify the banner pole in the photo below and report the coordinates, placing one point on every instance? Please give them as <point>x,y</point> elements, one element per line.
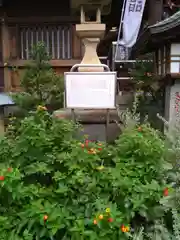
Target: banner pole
<point>120,27</point>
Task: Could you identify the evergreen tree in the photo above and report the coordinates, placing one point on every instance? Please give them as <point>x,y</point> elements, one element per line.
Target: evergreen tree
<point>40,83</point>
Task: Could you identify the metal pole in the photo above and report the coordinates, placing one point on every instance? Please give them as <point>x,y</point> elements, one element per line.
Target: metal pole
<point>107,124</point>
<point>73,115</point>
<point>120,27</point>
<point>106,68</point>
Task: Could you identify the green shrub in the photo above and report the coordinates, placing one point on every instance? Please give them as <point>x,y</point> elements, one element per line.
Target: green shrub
<point>140,160</point>
<point>53,187</point>
<point>40,83</point>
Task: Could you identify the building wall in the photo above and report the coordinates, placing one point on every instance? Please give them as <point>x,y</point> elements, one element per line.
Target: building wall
<point>24,23</point>
<point>29,8</point>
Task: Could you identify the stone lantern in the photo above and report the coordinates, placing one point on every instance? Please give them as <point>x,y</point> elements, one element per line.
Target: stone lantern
<point>90,6</point>
<point>90,31</point>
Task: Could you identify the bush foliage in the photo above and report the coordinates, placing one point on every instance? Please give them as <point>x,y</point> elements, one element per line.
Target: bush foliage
<point>54,187</point>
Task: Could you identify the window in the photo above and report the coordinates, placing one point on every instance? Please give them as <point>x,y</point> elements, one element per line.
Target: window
<point>56,38</point>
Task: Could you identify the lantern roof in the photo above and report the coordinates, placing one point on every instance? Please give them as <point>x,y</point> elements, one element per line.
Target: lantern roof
<point>157,34</point>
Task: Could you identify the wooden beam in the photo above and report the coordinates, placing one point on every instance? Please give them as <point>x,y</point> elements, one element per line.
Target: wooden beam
<point>54,63</point>
<point>39,20</point>
<point>6,55</point>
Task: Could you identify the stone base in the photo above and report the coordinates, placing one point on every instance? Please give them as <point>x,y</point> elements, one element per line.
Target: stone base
<point>87,116</point>
<point>124,100</point>
<point>99,132</point>
<point>94,123</point>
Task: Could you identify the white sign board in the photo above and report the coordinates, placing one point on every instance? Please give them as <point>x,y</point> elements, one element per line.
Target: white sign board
<point>90,90</point>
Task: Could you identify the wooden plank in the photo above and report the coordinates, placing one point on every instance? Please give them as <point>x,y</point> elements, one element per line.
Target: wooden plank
<point>6,55</point>
<point>1,64</point>
<point>15,76</point>
<point>54,63</point>
<point>76,44</point>
<point>13,38</point>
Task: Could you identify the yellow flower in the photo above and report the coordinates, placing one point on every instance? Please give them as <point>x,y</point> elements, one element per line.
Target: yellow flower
<point>92,151</point>
<point>40,108</point>
<point>108,210</point>
<point>100,168</point>
<point>101,216</point>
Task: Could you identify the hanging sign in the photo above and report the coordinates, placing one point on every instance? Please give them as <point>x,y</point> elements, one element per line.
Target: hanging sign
<point>132,21</point>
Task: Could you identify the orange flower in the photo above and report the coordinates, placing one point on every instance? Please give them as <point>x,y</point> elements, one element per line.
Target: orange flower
<point>44,108</point>
<point>110,220</point>
<point>9,169</point>
<point>101,216</point>
<point>99,144</point>
<point>124,228</point>
<point>166,192</point>
<point>140,129</point>
<point>45,218</point>
<point>95,222</point>
<point>2,178</point>
<point>82,145</point>
<point>100,149</point>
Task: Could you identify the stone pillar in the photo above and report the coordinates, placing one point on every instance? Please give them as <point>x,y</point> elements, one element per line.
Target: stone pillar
<point>90,33</point>
<point>172,104</point>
